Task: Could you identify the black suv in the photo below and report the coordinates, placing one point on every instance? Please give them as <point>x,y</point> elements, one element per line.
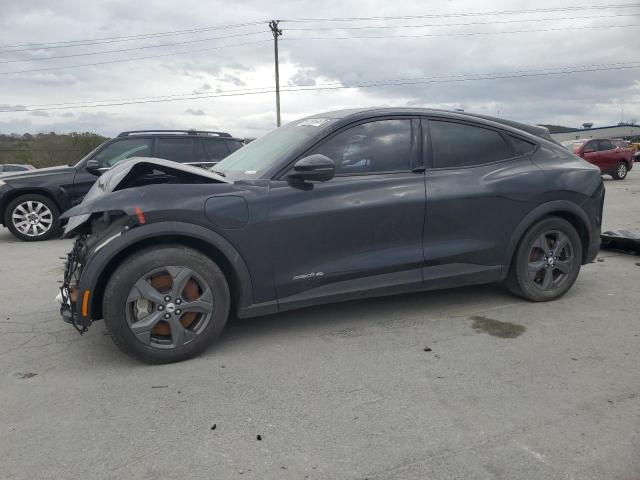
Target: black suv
<point>333,207</point>
<point>31,202</point>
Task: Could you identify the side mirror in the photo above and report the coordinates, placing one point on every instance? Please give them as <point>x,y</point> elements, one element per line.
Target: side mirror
<point>93,167</point>
<point>319,168</point>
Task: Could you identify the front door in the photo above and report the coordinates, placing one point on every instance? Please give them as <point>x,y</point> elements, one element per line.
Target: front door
<point>359,231</point>
<point>107,157</point>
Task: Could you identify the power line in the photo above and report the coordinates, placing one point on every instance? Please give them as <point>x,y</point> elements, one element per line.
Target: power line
<point>64,67</point>
<point>370,84</point>
<point>465,34</point>
<point>467,14</point>
<point>493,22</point>
<point>133,48</point>
<point>266,88</point>
<point>126,38</point>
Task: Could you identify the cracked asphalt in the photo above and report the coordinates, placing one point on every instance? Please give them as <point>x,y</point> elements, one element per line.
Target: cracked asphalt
<point>467,383</point>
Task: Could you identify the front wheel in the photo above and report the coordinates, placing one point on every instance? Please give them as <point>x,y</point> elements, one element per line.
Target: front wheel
<point>547,261</point>
<point>166,304</point>
<point>33,217</point>
<point>620,172</point>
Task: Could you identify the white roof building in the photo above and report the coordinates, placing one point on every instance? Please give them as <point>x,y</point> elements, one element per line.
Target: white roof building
<point>614,131</point>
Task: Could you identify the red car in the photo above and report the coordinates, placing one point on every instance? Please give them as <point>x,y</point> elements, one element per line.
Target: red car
<point>613,157</point>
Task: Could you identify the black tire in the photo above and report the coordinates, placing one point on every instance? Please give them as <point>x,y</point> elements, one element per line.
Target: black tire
<point>527,282</point>
<point>117,303</point>
<point>620,172</point>
<point>46,223</point>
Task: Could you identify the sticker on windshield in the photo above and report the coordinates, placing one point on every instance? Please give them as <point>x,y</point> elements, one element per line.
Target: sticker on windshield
<point>313,122</point>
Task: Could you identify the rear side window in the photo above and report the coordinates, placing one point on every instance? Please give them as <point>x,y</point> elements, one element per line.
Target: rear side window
<point>176,149</point>
<point>521,147</point>
<point>591,145</point>
<point>216,150</point>
<point>14,168</point>
<point>457,145</point>
<point>604,145</point>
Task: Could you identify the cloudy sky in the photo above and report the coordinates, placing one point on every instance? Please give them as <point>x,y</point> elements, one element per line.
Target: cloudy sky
<point>439,55</point>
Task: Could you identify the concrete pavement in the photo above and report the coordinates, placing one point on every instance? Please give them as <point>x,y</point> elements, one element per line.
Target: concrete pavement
<point>469,383</point>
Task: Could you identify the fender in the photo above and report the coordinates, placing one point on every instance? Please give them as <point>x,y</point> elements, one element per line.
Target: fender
<point>91,277</point>
<point>536,214</point>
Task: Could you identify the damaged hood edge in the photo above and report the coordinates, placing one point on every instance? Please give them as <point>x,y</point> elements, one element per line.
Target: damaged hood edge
<point>125,171</point>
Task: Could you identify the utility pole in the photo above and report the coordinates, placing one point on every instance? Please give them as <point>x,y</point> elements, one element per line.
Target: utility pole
<point>273,25</point>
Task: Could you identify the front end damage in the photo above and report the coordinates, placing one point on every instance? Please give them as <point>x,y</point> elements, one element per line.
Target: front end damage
<point>111,209</point>
<point>68,297</point>
<point>73,298</point>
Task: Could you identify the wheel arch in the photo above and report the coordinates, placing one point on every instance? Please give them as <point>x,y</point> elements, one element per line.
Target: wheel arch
<point>561,208</point>
<point>213,246</point>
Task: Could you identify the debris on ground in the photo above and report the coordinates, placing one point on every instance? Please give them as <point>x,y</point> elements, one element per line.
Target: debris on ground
<point>621,241</point>
<point>214,426</point>
<point>258,437</point>
<point>427,349</point>
<point>25,375</point>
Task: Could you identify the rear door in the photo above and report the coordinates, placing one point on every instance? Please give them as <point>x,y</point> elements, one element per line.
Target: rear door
<point>175,148</point>
<point>213,150</point>
<point>479,184</point>
<point>361,230</point>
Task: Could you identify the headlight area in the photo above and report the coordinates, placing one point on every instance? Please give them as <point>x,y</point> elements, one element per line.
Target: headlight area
<point>92,235</point>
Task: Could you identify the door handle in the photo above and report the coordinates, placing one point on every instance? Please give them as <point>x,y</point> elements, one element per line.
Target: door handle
<point>421,169</point>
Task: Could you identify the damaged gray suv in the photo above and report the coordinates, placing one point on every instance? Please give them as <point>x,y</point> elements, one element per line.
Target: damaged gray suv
<point>337,206</point>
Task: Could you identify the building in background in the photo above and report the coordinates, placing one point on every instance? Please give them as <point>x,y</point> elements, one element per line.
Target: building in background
<point>615,131</point>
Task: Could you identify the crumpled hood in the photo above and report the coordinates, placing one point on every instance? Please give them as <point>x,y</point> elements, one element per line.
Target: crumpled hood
<point>109,189</point>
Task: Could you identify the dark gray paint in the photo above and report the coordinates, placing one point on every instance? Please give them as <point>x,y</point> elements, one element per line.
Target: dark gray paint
<point>364,235</point>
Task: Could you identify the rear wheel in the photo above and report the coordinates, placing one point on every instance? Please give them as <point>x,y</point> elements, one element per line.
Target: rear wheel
<point>547,261</point>
<point>166,304</point>
<point>620,172</point>
<point>33,217</point>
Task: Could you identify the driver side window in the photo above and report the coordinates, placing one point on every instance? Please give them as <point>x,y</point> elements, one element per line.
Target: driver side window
<point>123,149</point>
<point>373,147</point>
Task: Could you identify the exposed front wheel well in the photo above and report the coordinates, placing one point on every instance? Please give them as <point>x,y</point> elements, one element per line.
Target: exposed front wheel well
<point>206,248</point>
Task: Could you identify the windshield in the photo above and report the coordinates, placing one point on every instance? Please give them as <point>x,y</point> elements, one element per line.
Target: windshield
<point>573,145</point>
<point>261,155</point>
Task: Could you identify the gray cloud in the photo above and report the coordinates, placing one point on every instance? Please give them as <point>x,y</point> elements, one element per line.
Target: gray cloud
<point>565,99</point>
<point>38,113</point>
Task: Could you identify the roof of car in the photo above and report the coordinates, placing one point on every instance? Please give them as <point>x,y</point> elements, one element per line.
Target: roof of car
<point>363,112</point>
<point>180,133</point>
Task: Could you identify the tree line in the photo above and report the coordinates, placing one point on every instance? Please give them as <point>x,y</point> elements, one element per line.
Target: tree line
<point>47,149</point>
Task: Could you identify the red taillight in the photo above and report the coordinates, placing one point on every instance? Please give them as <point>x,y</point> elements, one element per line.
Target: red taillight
<point>140,215</point>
